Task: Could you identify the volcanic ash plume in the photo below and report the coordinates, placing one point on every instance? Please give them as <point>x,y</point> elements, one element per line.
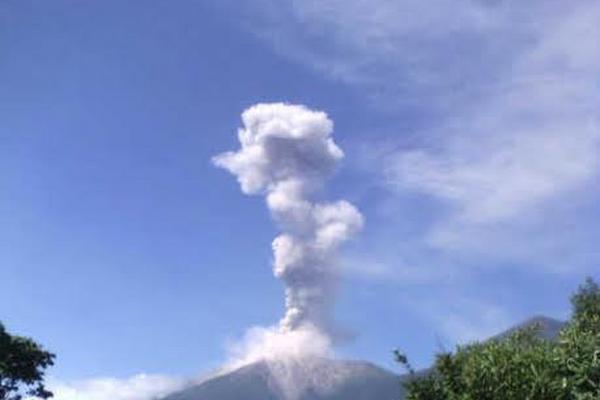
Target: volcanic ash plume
<point>287,154</point>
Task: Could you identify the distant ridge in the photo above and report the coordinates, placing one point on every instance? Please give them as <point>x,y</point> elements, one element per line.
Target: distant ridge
<point>352,380</point>
<point>549,328</point>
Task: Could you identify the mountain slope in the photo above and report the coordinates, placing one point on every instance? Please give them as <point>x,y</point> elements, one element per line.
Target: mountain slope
<point>324,380</point>
<point>252,381</point>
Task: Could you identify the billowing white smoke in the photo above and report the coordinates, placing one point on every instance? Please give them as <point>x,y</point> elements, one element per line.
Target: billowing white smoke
<point>287,154</point>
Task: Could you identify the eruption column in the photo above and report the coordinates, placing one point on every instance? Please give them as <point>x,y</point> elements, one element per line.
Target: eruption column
<point>287,154</point>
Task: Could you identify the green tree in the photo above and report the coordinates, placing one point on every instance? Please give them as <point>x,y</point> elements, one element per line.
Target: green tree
<point>586,306</point>
<point>521,366</point>
<point>22,365</point>
<point>578,351</point>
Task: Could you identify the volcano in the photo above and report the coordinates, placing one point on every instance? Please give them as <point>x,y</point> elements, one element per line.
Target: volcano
<point>313,378</point>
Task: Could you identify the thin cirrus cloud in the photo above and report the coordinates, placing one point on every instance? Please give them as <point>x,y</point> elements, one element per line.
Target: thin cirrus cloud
<point>534,143</point>
<point>513,87</point>
<point>407,51</point>
<point>536,137</point>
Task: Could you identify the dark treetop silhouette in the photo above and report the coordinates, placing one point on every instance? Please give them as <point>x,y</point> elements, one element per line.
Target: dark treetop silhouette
<point>22,365</point>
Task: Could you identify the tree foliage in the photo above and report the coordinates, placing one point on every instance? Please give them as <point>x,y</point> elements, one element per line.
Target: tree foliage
<point>522,366</point>
<point>22,365</point>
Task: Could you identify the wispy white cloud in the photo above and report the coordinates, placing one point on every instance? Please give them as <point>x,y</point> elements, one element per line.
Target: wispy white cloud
<point>536,137</point>
<point>534,142</point>
<point>404,52</point>
<point>137,387</point>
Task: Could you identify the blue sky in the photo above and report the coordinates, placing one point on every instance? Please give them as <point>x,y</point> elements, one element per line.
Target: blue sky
<point>472,149</point>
